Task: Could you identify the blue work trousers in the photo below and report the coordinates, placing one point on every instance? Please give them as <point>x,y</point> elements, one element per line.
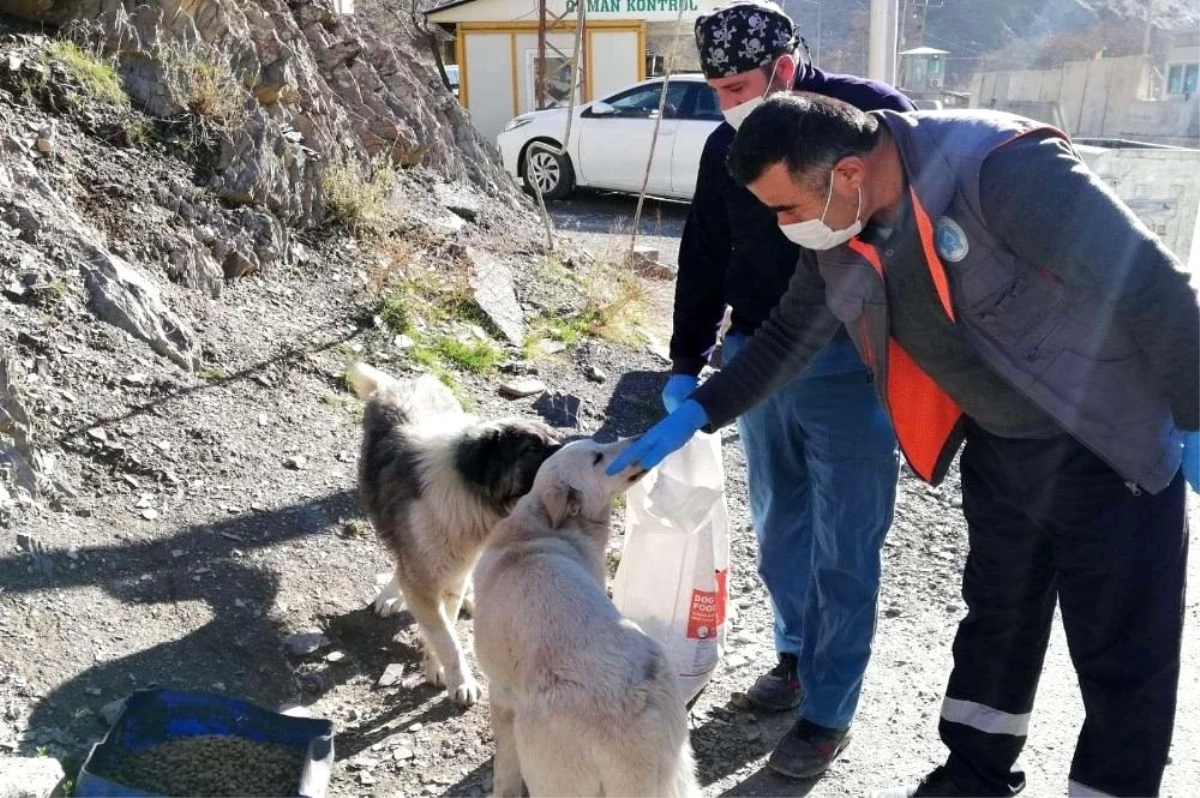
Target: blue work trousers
<point>823,467</point>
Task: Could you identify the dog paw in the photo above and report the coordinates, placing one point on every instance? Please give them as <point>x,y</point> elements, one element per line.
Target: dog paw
<point>434,673</point>
<point>386,606</point>
<point>467,693</point>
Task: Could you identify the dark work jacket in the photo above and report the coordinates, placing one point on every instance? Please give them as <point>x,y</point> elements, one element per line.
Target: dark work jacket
<point>733,252</point>
<point>1109,348</point>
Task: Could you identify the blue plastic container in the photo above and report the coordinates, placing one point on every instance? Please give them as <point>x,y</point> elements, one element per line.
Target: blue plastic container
<point>151,717</point>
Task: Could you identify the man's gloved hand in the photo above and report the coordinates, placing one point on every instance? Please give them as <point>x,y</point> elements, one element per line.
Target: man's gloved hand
<point>1191,459</point>
<point>677,390</point>
<point>662,439</point>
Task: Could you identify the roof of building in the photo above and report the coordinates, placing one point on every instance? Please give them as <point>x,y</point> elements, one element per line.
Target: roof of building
<point>914,51</point>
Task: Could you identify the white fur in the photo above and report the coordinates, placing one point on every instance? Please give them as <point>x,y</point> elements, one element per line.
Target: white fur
<point>582,701</point>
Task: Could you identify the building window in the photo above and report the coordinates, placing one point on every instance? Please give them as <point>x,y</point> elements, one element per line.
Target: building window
<point>655,66</point>
<point>1183,79</point>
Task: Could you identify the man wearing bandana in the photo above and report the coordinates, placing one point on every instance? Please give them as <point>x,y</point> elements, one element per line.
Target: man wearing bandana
<point>820,453</point>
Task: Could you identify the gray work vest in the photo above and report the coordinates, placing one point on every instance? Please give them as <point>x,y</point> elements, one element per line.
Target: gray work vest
<point>1060,345</point>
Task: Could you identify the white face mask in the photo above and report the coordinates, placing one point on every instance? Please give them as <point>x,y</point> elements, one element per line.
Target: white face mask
<point>816,235</point>
<point>736,115</point>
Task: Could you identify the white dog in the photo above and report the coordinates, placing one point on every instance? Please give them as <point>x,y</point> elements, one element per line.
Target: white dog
<point>582,701</point>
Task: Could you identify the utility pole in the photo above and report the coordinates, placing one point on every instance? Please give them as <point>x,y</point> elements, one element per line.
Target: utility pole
<point>539,69</point>
<point>548,22</point>
<point>881,47</point>
<point>1149,36</point>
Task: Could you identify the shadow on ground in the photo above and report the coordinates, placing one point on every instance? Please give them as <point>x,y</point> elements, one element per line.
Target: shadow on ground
<point>239,648</point>
<point>634,405</point>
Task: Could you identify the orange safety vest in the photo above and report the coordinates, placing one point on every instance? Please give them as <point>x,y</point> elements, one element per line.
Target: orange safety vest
<point>923,416</point>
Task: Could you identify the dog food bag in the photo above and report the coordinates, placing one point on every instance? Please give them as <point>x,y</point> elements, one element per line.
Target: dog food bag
<point>673,576</point>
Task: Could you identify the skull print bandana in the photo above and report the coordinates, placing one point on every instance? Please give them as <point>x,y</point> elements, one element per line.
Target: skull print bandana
<point>743,35</point>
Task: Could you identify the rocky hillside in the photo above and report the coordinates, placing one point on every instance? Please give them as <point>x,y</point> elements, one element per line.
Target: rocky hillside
<point>157,159</point>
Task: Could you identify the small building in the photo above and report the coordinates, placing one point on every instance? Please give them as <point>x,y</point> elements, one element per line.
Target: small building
<point>923,78</point>
<point>1183,64</point>
<point>496,50</point>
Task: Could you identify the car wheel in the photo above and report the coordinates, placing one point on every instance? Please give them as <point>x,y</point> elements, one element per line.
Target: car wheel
<point>551,172</point>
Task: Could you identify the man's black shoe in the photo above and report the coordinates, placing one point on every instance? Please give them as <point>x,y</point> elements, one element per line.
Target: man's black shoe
<point>777,690</point>
<point>807,750</point>
<point>936,784</point>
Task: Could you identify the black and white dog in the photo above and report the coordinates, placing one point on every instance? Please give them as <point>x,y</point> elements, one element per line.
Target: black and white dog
<point>434,481</point>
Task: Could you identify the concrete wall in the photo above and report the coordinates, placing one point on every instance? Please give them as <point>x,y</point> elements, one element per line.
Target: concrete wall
<point>1091,99</point>
<point>661,40</point>
<point>1159,186</point>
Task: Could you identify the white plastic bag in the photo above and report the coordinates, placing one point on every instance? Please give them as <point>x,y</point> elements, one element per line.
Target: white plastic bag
<point>674,571</point>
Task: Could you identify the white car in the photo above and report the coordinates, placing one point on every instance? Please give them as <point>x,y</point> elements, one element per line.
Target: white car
<point>610,141</point>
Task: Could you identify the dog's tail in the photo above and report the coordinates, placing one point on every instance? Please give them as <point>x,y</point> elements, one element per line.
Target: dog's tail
<point>366,380</point>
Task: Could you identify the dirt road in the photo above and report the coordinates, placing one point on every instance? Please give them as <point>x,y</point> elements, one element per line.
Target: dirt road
<point>253,536</point>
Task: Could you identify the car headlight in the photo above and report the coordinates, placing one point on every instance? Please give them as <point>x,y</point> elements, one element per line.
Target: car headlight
<point>516,123</point>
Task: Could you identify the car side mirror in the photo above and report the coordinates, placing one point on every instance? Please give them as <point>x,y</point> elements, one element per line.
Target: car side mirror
<point>601,108</point>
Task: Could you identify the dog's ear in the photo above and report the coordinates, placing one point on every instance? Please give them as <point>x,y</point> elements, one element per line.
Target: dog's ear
<point>562,502</point>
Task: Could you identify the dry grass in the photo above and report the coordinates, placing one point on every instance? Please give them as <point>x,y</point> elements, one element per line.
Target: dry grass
<point>358,195</point>
<point>202,78</point>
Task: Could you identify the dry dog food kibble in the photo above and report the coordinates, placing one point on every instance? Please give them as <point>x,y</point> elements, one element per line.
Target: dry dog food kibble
<point>212,765</point>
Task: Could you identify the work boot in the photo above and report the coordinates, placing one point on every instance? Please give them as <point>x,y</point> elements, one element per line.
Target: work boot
<point>807,750</point>
<point>776,690</point>
<point>936,784</point>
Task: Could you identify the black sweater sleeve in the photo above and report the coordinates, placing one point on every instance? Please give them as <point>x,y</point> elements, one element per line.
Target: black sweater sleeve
<point>799,327</point>
<point>1052,212</point>
<point>703,258</point>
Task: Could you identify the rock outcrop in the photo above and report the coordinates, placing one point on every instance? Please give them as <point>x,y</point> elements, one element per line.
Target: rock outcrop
<point>303,86</point>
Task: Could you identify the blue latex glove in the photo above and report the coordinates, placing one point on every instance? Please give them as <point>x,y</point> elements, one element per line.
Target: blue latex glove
<point>1191,459</point>
<point>677,390</point>
<point>663,438</point>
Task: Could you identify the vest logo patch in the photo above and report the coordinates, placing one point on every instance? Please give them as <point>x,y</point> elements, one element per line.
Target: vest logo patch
<point>950,240</point>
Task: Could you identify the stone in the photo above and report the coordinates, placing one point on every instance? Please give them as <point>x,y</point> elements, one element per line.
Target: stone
<point>521,388</point>
<point>459,200</point>
<point>300,644</point>
<point>659,351</point>
<point>293,710</point>
<point>595,373</point>
<point>335,656</point>
<point>295,463</point>
<point>392,675</point>
<point>644,261</point>
<point>111,712</point>
<point>29,777</point>
<point>559,409</point>
<point>491,281</point>
<point>149,514</point>
<point>552,347</point>
<point>402,754</point>
<point>120,295</point>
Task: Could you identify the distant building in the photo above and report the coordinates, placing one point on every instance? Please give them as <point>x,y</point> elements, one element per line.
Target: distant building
<point>1183,64</point>
<point>923,78</point>
<point>496,50</point>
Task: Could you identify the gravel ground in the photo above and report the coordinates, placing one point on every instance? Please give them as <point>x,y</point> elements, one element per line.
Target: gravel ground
<point>250,479</point>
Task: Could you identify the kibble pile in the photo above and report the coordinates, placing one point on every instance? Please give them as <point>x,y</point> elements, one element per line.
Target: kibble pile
<point>212,765</point>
